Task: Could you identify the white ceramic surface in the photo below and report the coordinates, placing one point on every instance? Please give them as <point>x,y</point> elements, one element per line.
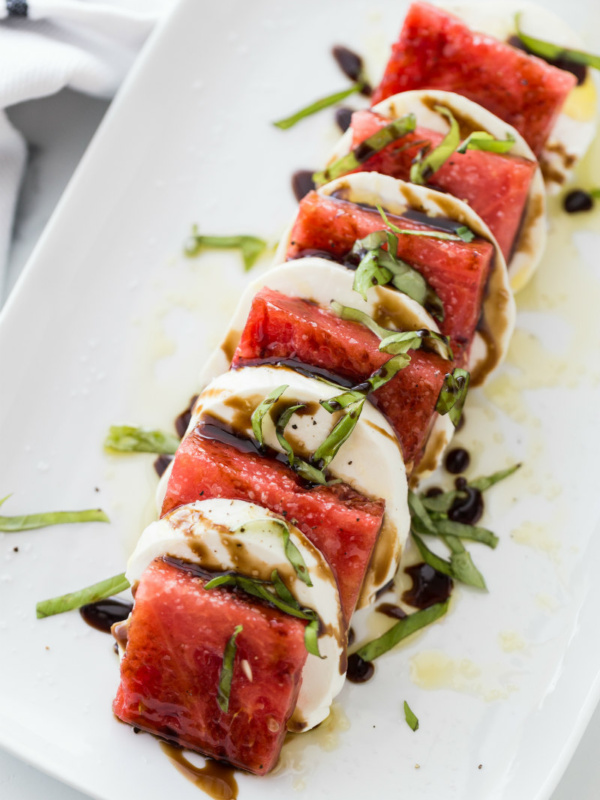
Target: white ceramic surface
<point>87,339</point>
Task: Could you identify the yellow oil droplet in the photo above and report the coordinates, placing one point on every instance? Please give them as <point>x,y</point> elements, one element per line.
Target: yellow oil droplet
<point>435,670</point>
<point>582,101</point>
<point>511,641</point>
<point>537,536</point>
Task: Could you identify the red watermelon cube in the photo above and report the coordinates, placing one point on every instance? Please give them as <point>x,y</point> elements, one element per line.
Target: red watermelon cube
<point>281,327</point>
<point>457,271</point>
<point>339,521</point>
<point>437,50</point>
<point>495,186</point>
<point>172,665</point>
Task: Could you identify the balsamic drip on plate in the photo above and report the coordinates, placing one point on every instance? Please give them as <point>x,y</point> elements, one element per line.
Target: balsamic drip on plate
<point>392,610</point>
<point>343,117</point>
<point>183,420</point>
<point>469,509</point>
<point>457,460</point>
<point>429,586</point>
<point>161,464</point>
<point>351,65</point>
<point>359,670</point>
<point>215,778</point>
<point>578,200</point>
<point>103,614</point>
<point>302,183</point>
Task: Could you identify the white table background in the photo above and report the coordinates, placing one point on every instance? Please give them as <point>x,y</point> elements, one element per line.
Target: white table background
<point>58,130</point>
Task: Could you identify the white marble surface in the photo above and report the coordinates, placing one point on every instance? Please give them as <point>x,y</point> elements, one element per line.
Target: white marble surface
<point>58,130</point>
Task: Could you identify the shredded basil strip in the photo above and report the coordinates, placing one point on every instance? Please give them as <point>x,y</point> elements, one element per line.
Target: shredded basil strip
<point>226,676</point>
<point>369,147</point>
<point>461,232</point>
<point>474,533</point>
<point>311,638</point>
<point>411,720</point>
<point>354,315</point>
<point>453,394</point>
<point>262,409</point>
<point>251,247</point>
<point>293,555</point>
<point>357,394</point>
<point>28,522</point>
<point>328,449</point>
<point>281,598</point>
<point>378,267</point>
<point>426,165</point>
<point>129,439</point>
<point>552,51</point>
<point>403,628</point>
<point>480,140</point>
<point>318,105</point>
<point>299,465</point>
<point>460,567</point>
<point>441,503</point>
<point>484,483</point>
<point>595,193</point>
<point>91,594</point>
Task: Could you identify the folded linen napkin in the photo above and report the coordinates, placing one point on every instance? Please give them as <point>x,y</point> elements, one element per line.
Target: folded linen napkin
<point>48,45</point>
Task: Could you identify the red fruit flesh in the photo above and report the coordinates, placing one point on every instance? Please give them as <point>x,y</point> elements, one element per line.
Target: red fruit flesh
<point>340,522</point>
<point>495,186</point>
<point>457,271</point>
<point>437,50</point>
<point>281,327</point>
<point>171,668</point>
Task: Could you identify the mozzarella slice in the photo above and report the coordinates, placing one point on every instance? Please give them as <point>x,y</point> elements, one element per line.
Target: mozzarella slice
<point>370,461</point>
<point>397,197</point>
<point>531,240</point>
<point>208,533</point>
<point>575,127</point>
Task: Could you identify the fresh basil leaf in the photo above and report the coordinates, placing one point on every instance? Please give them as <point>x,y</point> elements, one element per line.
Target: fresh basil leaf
<point>341,401</point>
<point>318,105</point>
<point>482,484</point>
<point>463,568</point>
<point>369,273</point>
<point>226,676</point>
<point>262,409</point>
<point>441,503</point>
<point>551,51</point>
<point>462,233</point>
<point>327,450</point>
<point>453,394</point>
<point>595,193</point>
<point>251,247</point>
<point>91,594</point>
<point>129,439</point>
<point>413,340</point>
<point>426,165</point>
<point>260,589</point>
<point>282,590</point>
<point>280,427</point>
<point>419,513</point>
<point>299,465</point>
<point>293,555</point>
<point>311,638</point>
<point>354,315</point>
<point>372,144</point>
<point>447,527</point>
<point>429,557</point>
<point>28,522</point>
<point>480,140</point>
<point>403,628</point>
<point>411,719</point>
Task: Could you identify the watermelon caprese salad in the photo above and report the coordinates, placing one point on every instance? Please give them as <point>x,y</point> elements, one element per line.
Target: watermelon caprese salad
<point>290,499</point>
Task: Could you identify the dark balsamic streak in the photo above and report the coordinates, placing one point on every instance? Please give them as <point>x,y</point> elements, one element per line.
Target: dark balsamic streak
<point>302,183</point>
<point>359,670</point>
<point>161,464</point>
<point>343,118</point>
<point>579,70</point>
<point>103,614</point>
<point>429,586</point>
<point>457,460</point>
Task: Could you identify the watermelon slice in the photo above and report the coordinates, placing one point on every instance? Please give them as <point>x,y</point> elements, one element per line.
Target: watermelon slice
<point>495,186</point>
<point>339,521</point>
<point>437,50</point>
<point>281,327</point>
<point>172,665</point>
<point>458,271</point>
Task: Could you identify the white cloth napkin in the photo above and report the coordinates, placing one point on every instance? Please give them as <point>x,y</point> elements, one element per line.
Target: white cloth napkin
<point>47,45</point>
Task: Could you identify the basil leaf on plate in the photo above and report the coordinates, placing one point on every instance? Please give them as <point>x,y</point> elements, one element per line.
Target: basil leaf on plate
<point>369,147</point>
<point>226,676</point>
<point>403,628</point>
<point>484,483</point>
<point>411,719</point>
<point>91,594</point>
<point>318,105</point>
<point>28,522</point>
<point>129,439</point>
<point>251,247</point>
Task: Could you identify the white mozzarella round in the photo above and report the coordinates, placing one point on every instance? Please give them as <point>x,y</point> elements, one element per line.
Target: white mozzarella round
<point>531,240</point>
<point>370,461</point>
<point>208,533</point>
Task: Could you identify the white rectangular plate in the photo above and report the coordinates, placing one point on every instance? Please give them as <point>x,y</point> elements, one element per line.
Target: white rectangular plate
<point>111,324</point>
